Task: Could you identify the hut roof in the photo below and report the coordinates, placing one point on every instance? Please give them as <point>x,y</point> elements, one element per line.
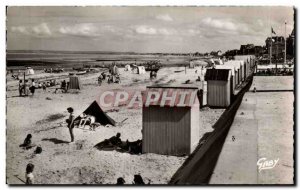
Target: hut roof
<point>189,91</point>
<point>217,74</point>
<point>232,67</point>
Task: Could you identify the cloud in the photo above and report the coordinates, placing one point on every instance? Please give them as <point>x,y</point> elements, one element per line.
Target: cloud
<point>164,17</point>
<point>223,27</point>
<point>148,30</point>
<point>91,30</point>
<point>40,30</point>
<point>19,29</point>
<point>85,29</point>
<point>143,29</point>
<point>220,24</point>
<point>165,31</point>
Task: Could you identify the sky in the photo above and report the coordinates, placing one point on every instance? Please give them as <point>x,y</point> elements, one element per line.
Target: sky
<point>143,29</point>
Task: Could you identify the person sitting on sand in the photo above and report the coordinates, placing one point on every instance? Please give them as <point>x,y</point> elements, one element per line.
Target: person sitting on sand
<point>63,87</point>
<point>111,143</point>
<point>83,118</point>
<point>135,147</point>
<point>138,180</point>
<point>29,174</point>
<point>116,140</point>
<point>27,144</point>
<point>120,181</point>
<point>87,119</point>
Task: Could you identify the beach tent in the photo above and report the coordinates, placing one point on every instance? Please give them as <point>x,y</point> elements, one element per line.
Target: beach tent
<point>101,117</point>
<point>127,68</point>
<point>74,82</point>
<point>217,61</point>
<point>191,65</point>
<point>29,71</point>
<point>141,70</point>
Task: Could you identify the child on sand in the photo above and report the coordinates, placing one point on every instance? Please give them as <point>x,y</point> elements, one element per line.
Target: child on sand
<point>27,144</point>
<point>29,175</point>
<point>70,122</point>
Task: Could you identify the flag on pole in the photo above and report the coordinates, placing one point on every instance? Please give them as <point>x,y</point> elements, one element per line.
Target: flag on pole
<point>272,31</point>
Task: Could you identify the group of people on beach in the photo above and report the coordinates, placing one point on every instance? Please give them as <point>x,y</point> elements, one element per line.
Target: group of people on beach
<point>111,78</point>
<point>137,180</point>
<point>25,88</point>
<point>113,141</point>
<point>27,144</point>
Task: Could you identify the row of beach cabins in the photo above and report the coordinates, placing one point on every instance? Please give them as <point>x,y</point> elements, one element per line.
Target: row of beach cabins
<point>223,80</point>
<point>175,130</point>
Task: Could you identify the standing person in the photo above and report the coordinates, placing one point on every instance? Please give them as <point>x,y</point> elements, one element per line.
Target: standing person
<point>44,86</point>
<point>32,87</point>
<point>29,176</point>
<point>64,86</point>
<point>100,80</point>
<point>26,88</point>
<point>20,87</point>
<point>70,122</point>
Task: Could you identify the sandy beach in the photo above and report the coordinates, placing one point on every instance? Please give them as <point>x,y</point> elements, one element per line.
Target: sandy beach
<point>43,116</point>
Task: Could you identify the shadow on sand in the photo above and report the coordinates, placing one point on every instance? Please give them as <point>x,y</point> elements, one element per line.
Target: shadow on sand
<point>56,141</point>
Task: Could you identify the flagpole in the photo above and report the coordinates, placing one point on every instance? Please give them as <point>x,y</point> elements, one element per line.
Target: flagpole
<point>271,48</point>
<point>284,44</point>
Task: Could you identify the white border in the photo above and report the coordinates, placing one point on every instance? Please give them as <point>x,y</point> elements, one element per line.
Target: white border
<point>4,3</point>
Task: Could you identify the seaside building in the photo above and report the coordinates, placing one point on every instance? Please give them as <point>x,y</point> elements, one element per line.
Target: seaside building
<point>219,87</point>
<point>171,129</point>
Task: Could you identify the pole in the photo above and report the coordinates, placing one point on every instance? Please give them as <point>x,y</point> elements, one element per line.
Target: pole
<point>284,44</point>
<point>271,48</point>
<point>276,58</point>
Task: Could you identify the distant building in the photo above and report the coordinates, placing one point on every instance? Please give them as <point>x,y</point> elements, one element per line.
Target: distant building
<point>259,50</point>
<point>231,53</point>
<point>248,49</point>
<point>277,46</point>
<point>216,53</point>
<point>290,45</point>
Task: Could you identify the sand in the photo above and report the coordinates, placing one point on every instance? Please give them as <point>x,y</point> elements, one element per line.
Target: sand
<point>43,116</point>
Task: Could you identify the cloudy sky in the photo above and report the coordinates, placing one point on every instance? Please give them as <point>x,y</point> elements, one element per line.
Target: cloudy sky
<point>143,29</point>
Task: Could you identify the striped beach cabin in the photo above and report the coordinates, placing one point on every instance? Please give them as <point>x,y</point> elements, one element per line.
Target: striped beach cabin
<point>171,128</point>
<point>219,87</point>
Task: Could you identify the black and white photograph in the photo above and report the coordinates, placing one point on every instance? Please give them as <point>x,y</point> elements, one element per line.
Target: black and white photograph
<point>150,95</point>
